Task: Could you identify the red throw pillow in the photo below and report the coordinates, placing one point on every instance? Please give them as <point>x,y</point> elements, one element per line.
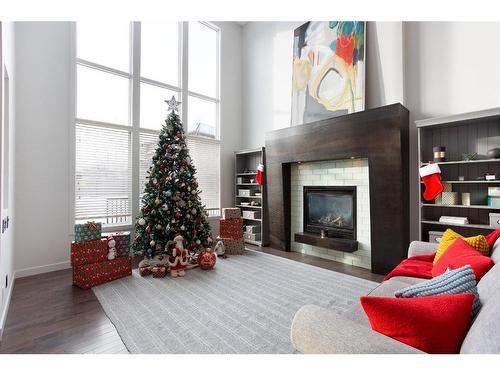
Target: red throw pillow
<point>433,324</point>
<point>459,254</point>
<point>493,237</point>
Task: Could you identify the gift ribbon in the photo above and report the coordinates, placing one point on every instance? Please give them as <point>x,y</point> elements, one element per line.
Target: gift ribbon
<point>92,225</point>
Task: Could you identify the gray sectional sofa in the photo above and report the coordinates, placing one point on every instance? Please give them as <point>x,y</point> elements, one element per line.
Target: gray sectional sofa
<point>319,330</point>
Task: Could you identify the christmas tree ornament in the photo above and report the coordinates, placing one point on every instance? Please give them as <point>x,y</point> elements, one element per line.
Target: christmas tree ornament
<point>164,207</point>
<point>183,228</point>
<point>431,177</point>
<point>207,259</point>
<point>173,104</point>
<point>157,201</point>
<point>141,221</point>
<point>158,226</point>
<point>152,243</point>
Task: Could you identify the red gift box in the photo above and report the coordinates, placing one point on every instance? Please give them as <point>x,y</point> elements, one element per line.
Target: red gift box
<point>89,275</point>
<point>88,252</point>
<point>231,228</point>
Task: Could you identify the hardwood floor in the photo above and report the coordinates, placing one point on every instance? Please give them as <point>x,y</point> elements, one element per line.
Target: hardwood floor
<point>48,315</point>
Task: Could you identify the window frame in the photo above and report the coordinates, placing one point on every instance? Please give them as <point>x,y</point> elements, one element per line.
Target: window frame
<point>133,126</point>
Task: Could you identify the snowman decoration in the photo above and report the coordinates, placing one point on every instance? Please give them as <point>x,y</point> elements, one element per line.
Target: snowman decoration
<point>179,259</point>
<point>111,248</point>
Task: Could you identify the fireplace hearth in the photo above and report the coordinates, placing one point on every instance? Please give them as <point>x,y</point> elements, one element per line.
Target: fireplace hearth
<point>331,209</point>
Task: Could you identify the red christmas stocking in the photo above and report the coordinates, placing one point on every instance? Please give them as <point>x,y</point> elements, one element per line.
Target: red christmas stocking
<point>431,175</point>
<point>260,173</point>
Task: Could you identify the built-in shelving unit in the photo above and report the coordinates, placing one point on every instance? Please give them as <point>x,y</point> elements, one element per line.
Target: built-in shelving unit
<point>247,162</point>
<point>474,132</point>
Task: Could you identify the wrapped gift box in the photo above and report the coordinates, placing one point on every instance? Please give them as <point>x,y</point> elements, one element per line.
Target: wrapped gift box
<point>87,232</point>
<point>233,246</point>
<point>231,213</point>
<point>231,228</point>
<point>88,252</point>
<point>89,275</point>
<point>122,240</point>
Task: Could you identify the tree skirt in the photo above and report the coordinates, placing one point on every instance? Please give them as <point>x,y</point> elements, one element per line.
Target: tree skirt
<point>244,305</point>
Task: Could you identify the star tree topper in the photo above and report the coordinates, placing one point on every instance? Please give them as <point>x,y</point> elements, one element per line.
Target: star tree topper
<point>173,105</point>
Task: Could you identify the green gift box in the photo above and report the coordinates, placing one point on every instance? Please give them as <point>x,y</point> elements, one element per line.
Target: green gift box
<point>88,231</point>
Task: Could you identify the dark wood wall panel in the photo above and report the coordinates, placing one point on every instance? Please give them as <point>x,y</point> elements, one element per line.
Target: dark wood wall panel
<point>381,136</point>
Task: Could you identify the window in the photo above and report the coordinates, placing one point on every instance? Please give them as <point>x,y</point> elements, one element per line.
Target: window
<point>124,72</point>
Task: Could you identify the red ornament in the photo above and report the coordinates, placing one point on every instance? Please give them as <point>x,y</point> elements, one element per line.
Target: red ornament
<point>165,146</point>
<point>207,259</point>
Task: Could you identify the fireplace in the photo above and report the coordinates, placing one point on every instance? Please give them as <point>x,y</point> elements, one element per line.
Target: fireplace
<point>331,209</point>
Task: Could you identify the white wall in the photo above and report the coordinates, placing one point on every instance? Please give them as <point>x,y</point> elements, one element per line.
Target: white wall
<point>7,246</point>
<point>267,73</point>
<point>231,105</point>
<point>43,150</point>
<point>451,68</point>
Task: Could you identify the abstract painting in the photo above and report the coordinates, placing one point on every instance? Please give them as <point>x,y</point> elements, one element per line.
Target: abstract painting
<point>328,70</point>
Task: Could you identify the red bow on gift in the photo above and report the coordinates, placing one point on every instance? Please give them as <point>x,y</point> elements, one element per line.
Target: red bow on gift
<point>91,224</point>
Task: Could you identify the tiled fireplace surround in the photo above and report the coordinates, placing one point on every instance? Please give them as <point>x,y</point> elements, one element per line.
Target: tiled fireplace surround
<point>333,173</point>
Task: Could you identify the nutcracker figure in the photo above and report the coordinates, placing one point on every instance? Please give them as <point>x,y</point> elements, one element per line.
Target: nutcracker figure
<point>179,258</point>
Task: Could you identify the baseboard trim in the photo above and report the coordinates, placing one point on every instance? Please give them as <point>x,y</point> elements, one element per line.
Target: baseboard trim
<point>3,316</point>
<point>41,269</point>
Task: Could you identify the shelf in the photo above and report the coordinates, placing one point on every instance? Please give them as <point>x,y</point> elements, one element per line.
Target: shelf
<point>339,244</point>
<point>249,184</point>
<point>246,218</point>
<point>481,226</point>
<point>480,206</point>
<point>246,174</point>
<point>241,205</point>
<point>464,162</point>
<point>470,182</point>
<point>252,196</point>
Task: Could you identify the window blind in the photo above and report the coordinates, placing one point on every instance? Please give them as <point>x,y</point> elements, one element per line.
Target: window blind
<point>103,175</point>
<point>205,154</point>
<point>148,144</point>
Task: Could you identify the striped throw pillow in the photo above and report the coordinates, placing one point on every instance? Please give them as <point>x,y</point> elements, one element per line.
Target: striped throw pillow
<point>461,280</point>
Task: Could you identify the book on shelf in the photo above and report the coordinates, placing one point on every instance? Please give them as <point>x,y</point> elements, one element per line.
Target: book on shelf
<point>453,220</point>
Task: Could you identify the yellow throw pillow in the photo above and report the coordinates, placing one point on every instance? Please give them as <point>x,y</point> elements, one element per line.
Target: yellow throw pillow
<point>477,242</point>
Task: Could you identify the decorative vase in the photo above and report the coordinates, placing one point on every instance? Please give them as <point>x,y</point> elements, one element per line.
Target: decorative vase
<point>207,259</point>
<point>494,153</point>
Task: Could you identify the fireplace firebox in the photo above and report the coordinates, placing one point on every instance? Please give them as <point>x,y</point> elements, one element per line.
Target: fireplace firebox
<point>331,209</point>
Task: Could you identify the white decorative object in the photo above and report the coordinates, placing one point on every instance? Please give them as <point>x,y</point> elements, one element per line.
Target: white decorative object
<point>219,248</point>
<point>111,248</point>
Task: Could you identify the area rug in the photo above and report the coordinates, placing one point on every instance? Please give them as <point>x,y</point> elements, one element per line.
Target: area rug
<point>244,305</point>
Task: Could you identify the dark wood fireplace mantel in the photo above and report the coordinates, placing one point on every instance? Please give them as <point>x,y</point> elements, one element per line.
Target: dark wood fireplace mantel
<point>381,136</point>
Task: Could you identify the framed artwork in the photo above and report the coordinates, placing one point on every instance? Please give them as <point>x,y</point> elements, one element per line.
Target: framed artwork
<point>328,70</point>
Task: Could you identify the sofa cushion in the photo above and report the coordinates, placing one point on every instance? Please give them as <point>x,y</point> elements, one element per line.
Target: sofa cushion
<point>495,253</point>
<point>489,284</point>
<point>484,334</point>
<point>434,324</point>
<point>461,280</point>
<point>492,237</point>
<point>458,255</point>
<point>477,242</point>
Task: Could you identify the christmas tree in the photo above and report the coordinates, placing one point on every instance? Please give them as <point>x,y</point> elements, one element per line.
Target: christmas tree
<point>171,200</point>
